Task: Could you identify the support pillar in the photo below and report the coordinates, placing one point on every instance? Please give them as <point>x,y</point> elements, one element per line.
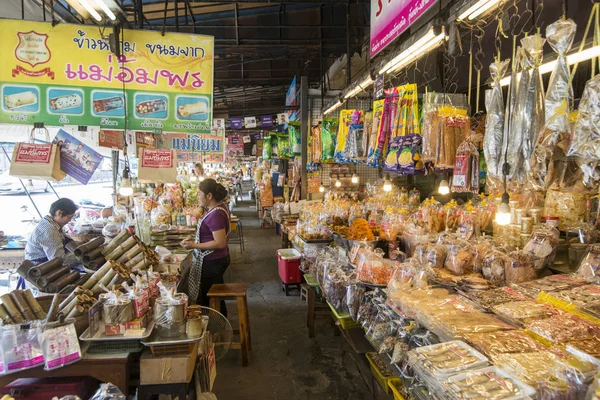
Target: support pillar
<point>304,127</point>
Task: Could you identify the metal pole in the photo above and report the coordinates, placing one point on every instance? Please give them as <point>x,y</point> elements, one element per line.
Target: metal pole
<point>304,126</point>
<point>115,171</point>
<point>24,187</point>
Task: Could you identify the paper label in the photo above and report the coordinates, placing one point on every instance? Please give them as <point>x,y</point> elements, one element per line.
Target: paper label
<point>34,153</point>
<point>157,158</point>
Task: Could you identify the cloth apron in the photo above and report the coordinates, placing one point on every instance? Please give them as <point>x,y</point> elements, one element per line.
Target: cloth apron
<point>198,260</point>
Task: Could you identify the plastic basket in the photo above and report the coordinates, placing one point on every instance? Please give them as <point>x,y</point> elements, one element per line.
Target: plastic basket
<point>379,377</point>
<point>395,384</point>
<point>345,320</point>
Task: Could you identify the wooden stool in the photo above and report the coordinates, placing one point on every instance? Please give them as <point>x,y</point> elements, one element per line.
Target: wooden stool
<point>235,291</point>
<point>304,288</point>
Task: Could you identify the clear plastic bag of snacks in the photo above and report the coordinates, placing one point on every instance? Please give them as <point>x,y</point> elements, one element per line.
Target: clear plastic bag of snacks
<point>542,246</point>
<point>443,359</point>
<point>486,383</point>
<point>563,328</point>
<point>532,367</point>
<point>354,296</point>
<point>468,226</point>
<point>481,247</point>
<point>452,216</point>
<point>589,266</point>
<point>460,257</point>
<point>494,266</point>
<point>493,344</point>
<point>520,269</point>
<point>569,206</point>
<point>522,312</point>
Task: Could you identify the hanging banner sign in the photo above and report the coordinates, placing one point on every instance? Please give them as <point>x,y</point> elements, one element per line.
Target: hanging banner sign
<point>282,119</point>
<point>250,122</point>
<point>76,158</point>
<point>389,19</point>
<point>236,123</point>
<point>266,121</point>
<point>218,123</point>
<point>67,75</point>
<point>111,139</point>
<point>247,139</point>
<point>235,147</point>
<point>193,147</point>
<point>144,140</point>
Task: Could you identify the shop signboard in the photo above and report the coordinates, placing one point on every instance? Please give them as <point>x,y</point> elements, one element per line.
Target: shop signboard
<point>266,121</point>
<point>67,75</point>
<point>144,140</point>
<point>111,139</point>
<point>236,123</point>
<point>282,119</point>
<point>235,147</point>
<point>389,19</point>
<point>195,147</point>
<point>76,158</point>
<point>250,122</point>
<point>219,123</point>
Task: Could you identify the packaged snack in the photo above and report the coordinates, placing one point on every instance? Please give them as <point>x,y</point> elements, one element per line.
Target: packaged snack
<point>522,312</point>
<point>580,296</point>
<point>532,367</point>
<point>328,134</point>
<point>562,328</point>
<point>283,146</point>
<point>354,296</point>
<point>20,347</point>
<point>542,246</point>
<point>486,383</point>
<point>520,268</point>
<point>410,160</point>
<point>569,206</point>
<point>60,346</point>
<point>494,123</point>
<point>379,113</point>
<point>589,267</point>
<point>460,257</point>
<point>465,176</point>
<point>552,283</point>
<point>295,137</point>
<point>440,360</point>
<point>490,298</point>
<point>493,344</point>
<point>391,160</point>
<point>342,135</point>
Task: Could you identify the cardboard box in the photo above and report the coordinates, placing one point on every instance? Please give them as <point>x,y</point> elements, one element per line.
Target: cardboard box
<point>168,369</point>
<point>137,324</point>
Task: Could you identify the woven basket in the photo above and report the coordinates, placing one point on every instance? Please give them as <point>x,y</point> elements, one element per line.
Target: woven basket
<point>84,237</point>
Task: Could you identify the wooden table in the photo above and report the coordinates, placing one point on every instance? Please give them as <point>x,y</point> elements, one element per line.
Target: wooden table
<point>113,368</point>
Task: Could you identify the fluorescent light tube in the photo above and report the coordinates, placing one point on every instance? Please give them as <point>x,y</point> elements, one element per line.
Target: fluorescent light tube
<point>485,7</point>
<point>90,9</point>
<point>332,108</point>
<point>106,9</point>
<point>359,88</point>
<point>427,43</point>
<point>574,58</point>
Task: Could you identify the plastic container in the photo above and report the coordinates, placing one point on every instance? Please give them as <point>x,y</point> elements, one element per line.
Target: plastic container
<point>379,377</point>
<point>395,385</point>
<point>48,388</point>
<point>492,374</point>
<point>288,263</point>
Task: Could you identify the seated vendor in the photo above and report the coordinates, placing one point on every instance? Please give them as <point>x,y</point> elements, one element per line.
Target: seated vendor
<point>47,241</point>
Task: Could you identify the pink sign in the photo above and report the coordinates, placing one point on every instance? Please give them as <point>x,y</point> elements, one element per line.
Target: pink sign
<point>157,158</point>
<point>34,153</point>
<point>390,18</point>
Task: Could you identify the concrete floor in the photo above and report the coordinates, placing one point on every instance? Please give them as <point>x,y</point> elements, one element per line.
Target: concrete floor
<point>284,363</point>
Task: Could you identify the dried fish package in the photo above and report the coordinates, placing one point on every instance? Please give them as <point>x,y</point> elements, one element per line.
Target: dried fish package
<point>494,123</point>
<point>585,143</point>
<point>443,359</point>
<point>533,116</point>
<point>489,383</point>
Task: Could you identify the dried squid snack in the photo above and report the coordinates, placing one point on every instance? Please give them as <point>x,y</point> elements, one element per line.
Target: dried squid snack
<point>522,312</point>
<point>511,114</point>
<point>563,328</point>
<point>494,124</point>
<point>533,116</point>
<point>501,342</point>
<point>531,367</point>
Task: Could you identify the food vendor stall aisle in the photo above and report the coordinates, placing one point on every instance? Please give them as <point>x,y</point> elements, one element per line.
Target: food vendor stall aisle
<point>297,367</point>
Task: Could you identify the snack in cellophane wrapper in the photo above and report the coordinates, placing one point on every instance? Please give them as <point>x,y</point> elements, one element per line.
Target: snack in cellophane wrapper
<point>486,383</point>
<point>552,283</point>
<point>337,279</point>
<point>522,312</point>
<point>378,115</point>
<point>410,160</point>
<point>563,328</point>
<point>410,274</point>
<point>20,346</point>
<point>453,212</point>
<point>532,367</point>
<point>589,266</point>
<point>434,215</point>
<point>328,137</point>
<point>542,246</point>
<point>465,176</point>
<point>481,246</point>
<point>435,255</point>
<point>444,359</point>
<point>493,344</point>
<point>414,197</point>
<point>460,257</point>
<point>391,159</point>
<point>581,296</point>
<point>494,123</point>
<point>518,93</point>
<point>354,137</point>
<point>60,346</point>
<point>520,268</point>
<point>354,295</point>
<point>468,227</point>
<point>378,145</point>
<point>569,205</point>
<point>494,266</point>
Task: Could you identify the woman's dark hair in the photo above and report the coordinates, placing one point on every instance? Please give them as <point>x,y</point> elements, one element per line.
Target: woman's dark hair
<point>67,206</point>
<point>216,189</point>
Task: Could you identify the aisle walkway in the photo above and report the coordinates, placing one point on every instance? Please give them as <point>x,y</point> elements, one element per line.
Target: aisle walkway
<point>284,363</point>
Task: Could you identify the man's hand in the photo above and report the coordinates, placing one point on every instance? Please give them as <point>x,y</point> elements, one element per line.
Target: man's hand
<point>187,244</point>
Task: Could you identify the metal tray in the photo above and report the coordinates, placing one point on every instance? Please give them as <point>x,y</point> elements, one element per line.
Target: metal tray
<point>156,340</point>
<point>100,336</point>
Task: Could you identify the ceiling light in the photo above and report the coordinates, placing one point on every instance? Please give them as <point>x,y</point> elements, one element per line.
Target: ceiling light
<point>478,9</point>
<point>338,183</point>
<point>125,189</point>
<point>106,9</point>
<point>332,108</point>
<point>322,189</point>
<point>503,214</point>
<point>422,46</point>
<point>387,186</point>
<point>359,88</point>
<point>444,188</point>
<point>354,178</point>
<point>90,9</point>
<point>574,58</point>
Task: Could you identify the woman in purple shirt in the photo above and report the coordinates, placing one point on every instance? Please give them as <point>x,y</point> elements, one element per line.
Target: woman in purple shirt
<point>211,254</point>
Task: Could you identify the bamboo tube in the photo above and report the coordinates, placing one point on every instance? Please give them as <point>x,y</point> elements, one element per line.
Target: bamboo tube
<point>21,303</point>
<point>105,279</point>
<point>92,255</point>
<point>120,238</point>
<point>131,263</point>
<point>95,264</point>
<point>76,312</point>
<point>71,246</point>
<point>44,280</point>
<point>72,304</point>
<point>11,308</point>
<point>75,292</point>
<point>97,276</point>
<point>141,265</point>
<point>83,279</point>
<point>134,251</point>
<point>4,315</point>
<point>44,268</point>
<point>114,281</point>
<point>121,249</point>
<point>61,282</point>
<point>34,305</point>
<point>53,310</point>
<point>89,246</point>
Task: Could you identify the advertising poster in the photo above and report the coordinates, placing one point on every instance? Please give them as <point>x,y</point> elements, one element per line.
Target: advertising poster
<point>194,147</point>
<point>236,123</point>
<point>144,140</point>
<point>235,147</point>
<point>218,123</point>
<point>389,19</point>
<point>67,75</point>
<point>76,159</point>
<point>266,121</point>
<point>250,122</point>
<point>111,139</point>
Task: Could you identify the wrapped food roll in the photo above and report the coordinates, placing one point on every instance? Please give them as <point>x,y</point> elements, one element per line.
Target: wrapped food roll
<point>92,255</point>
<point>73,302</point>
<point>108,104</point>
<point>61,282</point>
<point>22,99</point>
<point>89,246</point>
<point>44,268</point>
<point>187,110</point>
<point>151,106</point>
<point>11,308</point>
<point>22,305</point>
<point>76,311</point>
<point>65,102</point>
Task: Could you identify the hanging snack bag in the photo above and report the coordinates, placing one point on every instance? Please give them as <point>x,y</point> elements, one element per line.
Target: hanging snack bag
<point>342,136</point>
<point>295,138</point>
<point>328,137</point>
<point>410,160</point>
<point>378,114</point>
<point>391,161</point>
<point>466,168</point>
<point>283,146</point>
